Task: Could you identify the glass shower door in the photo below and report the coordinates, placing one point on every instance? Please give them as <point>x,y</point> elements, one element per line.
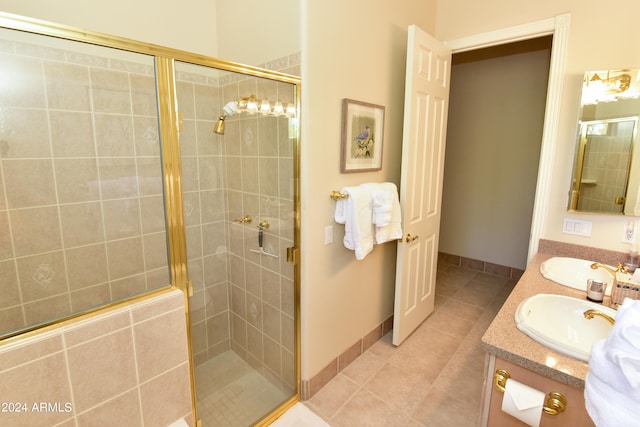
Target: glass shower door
<point>240,217</point>
<point>82,220</point>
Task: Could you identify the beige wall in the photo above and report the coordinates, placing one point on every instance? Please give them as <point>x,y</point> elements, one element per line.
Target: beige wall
<point>600,38</point>
<point>186,25</point>
<point>355,50</point>
<point>257,31</point>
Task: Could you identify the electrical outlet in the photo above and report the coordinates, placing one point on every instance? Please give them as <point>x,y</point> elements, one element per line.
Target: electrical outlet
<point>628,233</point>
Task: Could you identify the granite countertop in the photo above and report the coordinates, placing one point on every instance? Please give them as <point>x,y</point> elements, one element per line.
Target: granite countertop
<point>504,340</point>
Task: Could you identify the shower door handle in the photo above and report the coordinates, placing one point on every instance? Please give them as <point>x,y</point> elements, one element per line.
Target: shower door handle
<point>293,255</point>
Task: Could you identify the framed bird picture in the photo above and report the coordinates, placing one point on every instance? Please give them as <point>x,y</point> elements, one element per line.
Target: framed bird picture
<point>362,132</point>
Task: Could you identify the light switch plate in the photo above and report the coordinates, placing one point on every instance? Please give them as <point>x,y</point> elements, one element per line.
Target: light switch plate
<point>328,235</point>
<point>577,227</point>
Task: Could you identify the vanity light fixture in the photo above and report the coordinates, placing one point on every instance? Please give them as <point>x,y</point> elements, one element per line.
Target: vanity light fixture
<point>251,105</point>
<point>605,89</point>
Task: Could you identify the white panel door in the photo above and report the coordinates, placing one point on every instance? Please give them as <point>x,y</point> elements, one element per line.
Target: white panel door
<point>425,124</point>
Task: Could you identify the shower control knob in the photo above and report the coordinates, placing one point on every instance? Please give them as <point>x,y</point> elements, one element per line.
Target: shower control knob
<point>244,220</point>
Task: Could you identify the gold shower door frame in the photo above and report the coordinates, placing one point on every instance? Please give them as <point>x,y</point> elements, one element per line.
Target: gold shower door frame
<point>170,123</point>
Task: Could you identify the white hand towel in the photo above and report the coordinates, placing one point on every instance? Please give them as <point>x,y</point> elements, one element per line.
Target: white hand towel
<point>388,217</point>
<point>355,213</point>
<point>612,386</point>
<point>382,198</point>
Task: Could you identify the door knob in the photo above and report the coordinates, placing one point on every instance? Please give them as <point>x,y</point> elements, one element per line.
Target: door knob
<point>410,238</point>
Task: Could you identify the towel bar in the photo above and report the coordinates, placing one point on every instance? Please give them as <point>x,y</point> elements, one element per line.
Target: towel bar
<point>556,402</point>
<point>336,195</point>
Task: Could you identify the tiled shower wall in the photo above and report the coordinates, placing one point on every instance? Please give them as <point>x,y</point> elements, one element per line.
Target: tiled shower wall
<point>127,367</point>
<point>242,300</point>
<point>81,207</point>
<point>607,164</point>
<point>204,212</point>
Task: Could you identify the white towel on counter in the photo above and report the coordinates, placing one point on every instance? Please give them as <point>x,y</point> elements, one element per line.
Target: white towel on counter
<point>355,213</point>
<point>612,386</point>
<point>387,216</point>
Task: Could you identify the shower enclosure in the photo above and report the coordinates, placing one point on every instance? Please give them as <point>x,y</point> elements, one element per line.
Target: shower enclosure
<point>113,184</point>
<point>240,219</point>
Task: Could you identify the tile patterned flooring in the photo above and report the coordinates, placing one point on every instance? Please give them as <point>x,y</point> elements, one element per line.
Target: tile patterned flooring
<point>434,379</point>
<point>232,394</point>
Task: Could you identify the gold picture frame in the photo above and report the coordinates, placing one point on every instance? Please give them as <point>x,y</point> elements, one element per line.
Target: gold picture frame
<point>362,136</point>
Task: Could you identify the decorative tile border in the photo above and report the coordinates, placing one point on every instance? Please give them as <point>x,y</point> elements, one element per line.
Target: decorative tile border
<point>483,266</point>
<point>310,387</point>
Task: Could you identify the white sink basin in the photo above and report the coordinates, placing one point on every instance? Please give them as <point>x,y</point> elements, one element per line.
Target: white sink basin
<point>558,322</point>
<point>574,273</point>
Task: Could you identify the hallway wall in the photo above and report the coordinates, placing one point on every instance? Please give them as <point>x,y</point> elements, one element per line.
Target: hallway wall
<point>494,134</point>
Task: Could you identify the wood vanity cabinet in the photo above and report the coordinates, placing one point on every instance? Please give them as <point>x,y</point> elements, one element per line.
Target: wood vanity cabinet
<point>492,415</point>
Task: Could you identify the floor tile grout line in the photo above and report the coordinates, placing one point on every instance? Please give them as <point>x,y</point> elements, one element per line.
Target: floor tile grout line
<point>458,282</point>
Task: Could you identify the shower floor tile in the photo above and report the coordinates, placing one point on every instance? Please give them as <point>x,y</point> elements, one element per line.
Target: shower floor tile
<point>231,393</point>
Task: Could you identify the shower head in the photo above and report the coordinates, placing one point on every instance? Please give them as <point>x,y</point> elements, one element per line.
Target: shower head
<point>229,110</point>
<point>219,127</point>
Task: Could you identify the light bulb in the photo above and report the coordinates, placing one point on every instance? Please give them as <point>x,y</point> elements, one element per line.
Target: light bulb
<point>252,105</point>
<point>265,107</point>
<point>278,109</point>
<point>291,110</point>
<point>242,104</point>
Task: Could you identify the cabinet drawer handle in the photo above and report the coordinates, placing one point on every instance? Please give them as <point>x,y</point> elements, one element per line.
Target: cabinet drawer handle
<point>556,402</point>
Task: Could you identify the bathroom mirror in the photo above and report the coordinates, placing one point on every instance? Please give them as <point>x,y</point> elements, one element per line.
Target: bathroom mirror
<point>606,173</point>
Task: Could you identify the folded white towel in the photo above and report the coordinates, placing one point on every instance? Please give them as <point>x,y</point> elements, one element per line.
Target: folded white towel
<point>382,199</point>
<point>355,212</point>
<point>387,216</point>
<point>612,386</point>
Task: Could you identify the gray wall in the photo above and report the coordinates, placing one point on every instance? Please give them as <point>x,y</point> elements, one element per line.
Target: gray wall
<point>494,135</point>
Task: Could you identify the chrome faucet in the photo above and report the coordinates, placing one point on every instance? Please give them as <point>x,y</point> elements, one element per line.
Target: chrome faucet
<point>591,313</point>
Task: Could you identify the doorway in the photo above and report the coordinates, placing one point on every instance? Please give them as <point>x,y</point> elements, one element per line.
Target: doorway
<point>558,26</point>
<point>494,136</point>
